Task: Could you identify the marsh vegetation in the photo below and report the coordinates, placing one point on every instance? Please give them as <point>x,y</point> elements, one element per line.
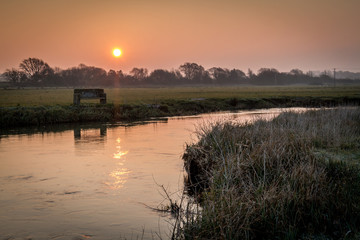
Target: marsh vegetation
<point>294,177</point>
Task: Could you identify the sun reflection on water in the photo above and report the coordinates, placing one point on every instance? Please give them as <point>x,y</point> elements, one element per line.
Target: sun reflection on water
<point>120,175</point>
<point>119,153</point>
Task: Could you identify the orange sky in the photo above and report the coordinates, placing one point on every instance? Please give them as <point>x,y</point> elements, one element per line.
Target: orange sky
<point>283,34</point>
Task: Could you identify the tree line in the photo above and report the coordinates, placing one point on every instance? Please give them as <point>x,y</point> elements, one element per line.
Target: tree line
<point>34,72</point>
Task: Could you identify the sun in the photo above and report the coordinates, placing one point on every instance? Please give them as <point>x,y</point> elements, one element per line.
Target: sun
<point>116,52</point>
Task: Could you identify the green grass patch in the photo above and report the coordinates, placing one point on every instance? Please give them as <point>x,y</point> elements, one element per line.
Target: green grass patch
<point>24,107</point>
<point>61,96</point>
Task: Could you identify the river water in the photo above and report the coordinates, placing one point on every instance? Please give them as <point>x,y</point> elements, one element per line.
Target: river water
<point>95,181</point>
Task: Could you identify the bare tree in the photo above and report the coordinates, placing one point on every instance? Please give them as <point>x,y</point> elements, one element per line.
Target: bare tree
<point>139,73</point>
<point>192,71</point>
<point>251,75</point>
<point>268,76</point>
<point>220,74</point>
<point>14,76</point>
<point>160,76</point>
<point>296,72</point>
<point>35,69</point>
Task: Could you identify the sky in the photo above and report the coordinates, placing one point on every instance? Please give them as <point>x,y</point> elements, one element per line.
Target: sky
<point>163,34</point>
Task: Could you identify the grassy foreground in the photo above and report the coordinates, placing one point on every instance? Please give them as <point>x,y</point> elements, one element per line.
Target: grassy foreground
<point>295,177</point>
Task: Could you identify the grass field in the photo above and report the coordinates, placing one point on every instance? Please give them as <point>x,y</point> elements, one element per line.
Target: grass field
<point>23,107</point>
<point>52,96</point>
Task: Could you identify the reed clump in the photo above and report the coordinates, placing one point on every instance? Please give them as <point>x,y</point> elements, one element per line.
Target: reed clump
<point>294,177</point>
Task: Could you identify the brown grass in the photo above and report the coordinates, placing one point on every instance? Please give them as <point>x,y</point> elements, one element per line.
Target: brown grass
<point>281,179</point>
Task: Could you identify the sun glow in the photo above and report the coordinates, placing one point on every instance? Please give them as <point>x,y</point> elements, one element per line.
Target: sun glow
<point>117,52</point>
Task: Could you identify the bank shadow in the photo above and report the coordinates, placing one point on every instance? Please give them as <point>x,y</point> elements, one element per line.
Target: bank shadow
<point>82,132</point>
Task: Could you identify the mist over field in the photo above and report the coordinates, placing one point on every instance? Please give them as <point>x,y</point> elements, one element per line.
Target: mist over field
<point>34,72</point>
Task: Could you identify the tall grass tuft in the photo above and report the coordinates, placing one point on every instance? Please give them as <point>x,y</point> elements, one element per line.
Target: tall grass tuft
<point>294,177</point>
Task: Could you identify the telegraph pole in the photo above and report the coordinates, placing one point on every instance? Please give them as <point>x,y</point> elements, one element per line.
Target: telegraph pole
<point>334,77</point>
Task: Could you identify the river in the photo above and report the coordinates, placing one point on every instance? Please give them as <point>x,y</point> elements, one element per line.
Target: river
<point>95,181</point>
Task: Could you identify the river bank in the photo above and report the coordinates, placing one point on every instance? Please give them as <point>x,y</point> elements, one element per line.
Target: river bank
<point>20,116</point>
<point>294,177</point>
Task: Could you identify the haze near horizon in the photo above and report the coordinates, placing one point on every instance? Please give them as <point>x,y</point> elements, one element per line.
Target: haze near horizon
<point>309,35</point>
